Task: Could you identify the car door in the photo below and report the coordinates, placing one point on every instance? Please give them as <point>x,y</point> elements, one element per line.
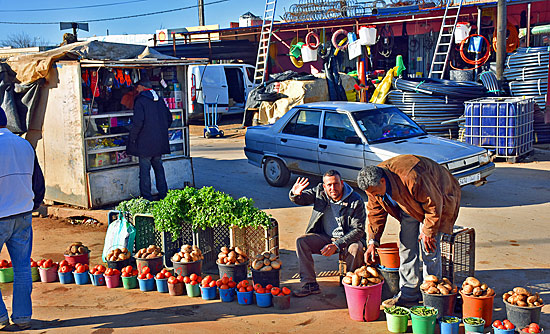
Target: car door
<point>334,153</point>
<point>298,141</point>
<point>248,79</point>
<point>213,85</point>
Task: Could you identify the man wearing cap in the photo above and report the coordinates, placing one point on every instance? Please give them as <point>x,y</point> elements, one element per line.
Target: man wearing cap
<point>148,139</point>
<point>21,191</point>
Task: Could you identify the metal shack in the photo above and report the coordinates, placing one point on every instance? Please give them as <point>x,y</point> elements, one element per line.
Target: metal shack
<point>80,124</point>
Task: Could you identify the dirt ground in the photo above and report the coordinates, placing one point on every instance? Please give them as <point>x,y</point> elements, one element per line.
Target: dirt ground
<point>510,215</point>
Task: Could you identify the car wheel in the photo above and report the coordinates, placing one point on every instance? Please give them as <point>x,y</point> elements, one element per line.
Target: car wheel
<point>276,173</point>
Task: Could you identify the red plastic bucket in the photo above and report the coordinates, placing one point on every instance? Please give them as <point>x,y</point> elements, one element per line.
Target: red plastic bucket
<point>389,255</point>
<point>48,275</point>
<point>478,307</point>
<point>364,302</point>
<point>74,259</point>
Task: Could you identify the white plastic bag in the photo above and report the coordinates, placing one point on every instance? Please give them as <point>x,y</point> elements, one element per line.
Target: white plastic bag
<point>120,233</point>
<point>354,49</point>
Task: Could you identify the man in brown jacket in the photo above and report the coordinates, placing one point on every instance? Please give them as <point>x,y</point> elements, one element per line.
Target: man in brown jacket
<point>425,198</point>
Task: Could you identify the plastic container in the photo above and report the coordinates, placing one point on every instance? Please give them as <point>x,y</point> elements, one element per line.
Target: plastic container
<point>162,285</point>
<point>475,328</point>
<point>245,298</point>
<point>364,302</point>
<point>35,274</point>
<point>505,331</point>
<point>367,35</point>
<point>281,302</point>
<point>263,299</point>
<point>237,271</point>
<point>449,328</point>
<point>308,54</point>
<point>266,277</point>
<point>522,316</point>
<point>193,290</point>
<point>445,304</point>
<point>227,295</point>
<point>478,307</point>
<point>97,279</point>
<point>48,275</point>
<point>146,284</point>
<point>389,255</point>
<point>523,332</point>
<point>81,278</point>
<point>296,49</point>
<point>66,278</point>
<point>391,282</point>
<point>155,264</point>
<point>208,293</point>
<point>175,289</point>
<point>118,264</point>
<point>74,259</point>
<point>6,275</point>
<point>462,31</point>
<point>112,281</point>
<point>423,324</point>
<point>397,323</point>
<point>187,268</point>
<point>129,282</point>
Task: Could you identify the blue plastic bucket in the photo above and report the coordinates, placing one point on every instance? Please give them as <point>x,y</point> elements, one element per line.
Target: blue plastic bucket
<point>146,284</point>
<point>263,299</point>
<point>162,285</point>
<point>227,295</point>
<point>245,298</point>
<point>66,278</point>
<point>81,278</point>
<point>208,293</point>
<point>503,331</point>
<point>97,279</point>
<point>449,328</point>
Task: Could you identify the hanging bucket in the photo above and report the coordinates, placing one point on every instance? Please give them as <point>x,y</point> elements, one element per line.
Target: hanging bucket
<point>397,323</point>
<point>367,35</point>
<point>462,31</point>
<point>364,302</point>
<point>478,307</point>
<point>423,324</point>
<point>308,54</point>
<point>112,281</point>
<point>296,49</point>
<point>389,255</point>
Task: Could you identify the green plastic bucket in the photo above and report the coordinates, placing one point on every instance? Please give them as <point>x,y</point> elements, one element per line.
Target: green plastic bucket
<point>397,323</point>
<point>474,328</point>
<point>129,282</point>
<point>6,275</point>
<point>35,274</point>
<point>296,49</point>
<point>423,324</point>
<point>193,290</point>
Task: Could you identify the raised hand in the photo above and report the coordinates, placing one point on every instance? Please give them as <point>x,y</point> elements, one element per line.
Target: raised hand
<point>300,185</point>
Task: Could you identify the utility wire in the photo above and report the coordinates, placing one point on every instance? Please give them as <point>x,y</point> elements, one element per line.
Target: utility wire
<point>68,8</point>
<point>120,17</point>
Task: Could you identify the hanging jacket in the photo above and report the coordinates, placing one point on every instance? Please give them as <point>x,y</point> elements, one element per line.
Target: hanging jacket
<point>149,129</point>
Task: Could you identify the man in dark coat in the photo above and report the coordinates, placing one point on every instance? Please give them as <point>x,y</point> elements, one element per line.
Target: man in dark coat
<point>148,139</point>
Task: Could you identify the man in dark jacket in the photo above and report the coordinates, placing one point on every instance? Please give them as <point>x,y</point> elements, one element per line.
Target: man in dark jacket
<point>337,225</point>
<point>148,139</point>
<point>425,198</point>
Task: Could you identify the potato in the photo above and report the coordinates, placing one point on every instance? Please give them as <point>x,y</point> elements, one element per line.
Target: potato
<point>446,281</point>
<point>232,255</point>
<point>425,286</point>
<point>259,257</point>
<point>447,286</point>
<point>433,290</point>
<point>346,280</point>
<point>239,251</point>
<point>540,301</point>
<point>266,255</point>
<point>431,278</point>
<point>537,303</point>
<point>266,268</point>
<point>74,249</point>
<point>474,282</point>
<point>506,296</point>
<point>511,300</point>
<point>121,257</point>
<point>454,289</point>
<point>483,286</point>
<point>490,292</point>
<point>273,257</point>
<point>276,264</point>
<point>374,280</point>
<point>267,262</point>
<point>477,291</point>
<point>225,250</point>
<point>364,282</point>
<point>467,289</point>
<point>443,290</point>
<point>241,258</point>
<point>521,303</point>
<point>373,272</point>
<point>355,280</point>
<point>176,258</point>
<point>151,256</point>
<point>221,255</point>
<point>520,291</point>
<point>257,265</point>
<point>521,298</point>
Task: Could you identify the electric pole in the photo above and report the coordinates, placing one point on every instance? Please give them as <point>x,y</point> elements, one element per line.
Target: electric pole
<point>201,12</point>
<point>501,38</point>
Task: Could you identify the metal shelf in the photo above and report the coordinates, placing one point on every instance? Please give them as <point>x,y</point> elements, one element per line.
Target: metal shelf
<point>107,136</point>
<point>176,110</point>
<point>106,150</point>
<point>92,169</point>
<point>110,115</point>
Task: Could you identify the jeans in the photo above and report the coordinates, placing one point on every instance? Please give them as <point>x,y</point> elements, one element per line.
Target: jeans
<point>409,256</point>
<point>16,233</point>
<point>145,164</point>
<point>312,243</point>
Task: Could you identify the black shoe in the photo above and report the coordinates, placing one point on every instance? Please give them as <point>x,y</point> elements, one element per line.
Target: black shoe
<point>307,289</point>
<point>23,326</point>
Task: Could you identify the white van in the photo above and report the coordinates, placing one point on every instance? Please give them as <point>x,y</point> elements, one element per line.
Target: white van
<point>229,82</point>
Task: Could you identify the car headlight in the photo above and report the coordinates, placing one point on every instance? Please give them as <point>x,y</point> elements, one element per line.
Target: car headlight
<point>484,158</point>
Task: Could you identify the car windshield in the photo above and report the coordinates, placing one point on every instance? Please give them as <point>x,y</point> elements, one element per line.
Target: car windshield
<point>386,124</point>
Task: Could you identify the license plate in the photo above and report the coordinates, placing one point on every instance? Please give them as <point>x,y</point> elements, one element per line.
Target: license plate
<point>469,179</point>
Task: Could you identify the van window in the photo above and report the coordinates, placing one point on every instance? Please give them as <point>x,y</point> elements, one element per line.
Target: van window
<point>304,123</point>
<point>212,75</point>
<point>250,72</point>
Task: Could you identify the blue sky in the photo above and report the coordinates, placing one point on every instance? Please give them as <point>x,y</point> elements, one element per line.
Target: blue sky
<point>221,13</point>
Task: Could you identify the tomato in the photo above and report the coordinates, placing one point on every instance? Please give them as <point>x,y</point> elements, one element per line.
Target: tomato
<point>135,272</point>
<point>281,295</point>
<point>47,264</point>
<point>81,269</point>
<point>242,289</point>
<point>275,291</point>
<point>219,283</point>
<point>286,291</point>
<point>509,325</point>
<point>127,269</point>
<point>145,270</point>
<point>63,263</point>
<point>268,287</point>
<point>164,270</point>
<point>109,272</point>
<point>4,264</point>
<point>224,286</point>
<point>93,271</point>
<point>168,274</point>
<point>199,279</point>
<point>207,279</point>
<point>180,279</point>
<point>65,269</point>
<point>186,280</point>
<point>225,280</point>
<point>193,283</point>
<point>260,290</point>
<point>34,264</point>
<point>40,262</point>
<point>534,328</point>
<point>149,276</point>
<point>501,327</point>
<point>142,276</point>
<point>160,275</point>
<point>245,283</point>
<point>172,280</point>
<point>212,284</point>
<point>231,284</point>
<point>257,286</point>
<point>193,277</point>
<point>497,323</point>
<point>249,288</point>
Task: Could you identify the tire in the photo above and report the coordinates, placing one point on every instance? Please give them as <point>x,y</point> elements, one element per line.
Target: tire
<point>221,134</point>
<point>276,173</point>
<point>207,135</point>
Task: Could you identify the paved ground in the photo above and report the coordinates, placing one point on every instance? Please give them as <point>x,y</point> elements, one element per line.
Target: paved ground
<point>510,215</point>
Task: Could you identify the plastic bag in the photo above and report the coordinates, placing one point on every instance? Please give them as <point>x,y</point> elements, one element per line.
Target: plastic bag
<point>120,233</point>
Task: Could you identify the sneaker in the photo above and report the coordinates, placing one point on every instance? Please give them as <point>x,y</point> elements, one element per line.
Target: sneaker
<point>4,324</point>
<point>396,301</point>
<point>23,326</point>
<point>307,289</point>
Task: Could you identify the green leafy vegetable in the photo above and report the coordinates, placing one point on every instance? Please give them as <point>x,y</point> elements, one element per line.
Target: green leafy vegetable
<point>450,320</point>
<point>396,310</point>
<point>423,311</point>
<point>135,206</point>
<point>474,321</point>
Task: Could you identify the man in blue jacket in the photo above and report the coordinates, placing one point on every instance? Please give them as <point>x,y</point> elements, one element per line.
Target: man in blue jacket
<point>337,225</point>
<point>148,139</point>
<point>21,191</point>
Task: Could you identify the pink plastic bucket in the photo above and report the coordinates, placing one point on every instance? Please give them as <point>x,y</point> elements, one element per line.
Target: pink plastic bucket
<point>364,302</point>
<point>48,275</point>
<point>112,281</point>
